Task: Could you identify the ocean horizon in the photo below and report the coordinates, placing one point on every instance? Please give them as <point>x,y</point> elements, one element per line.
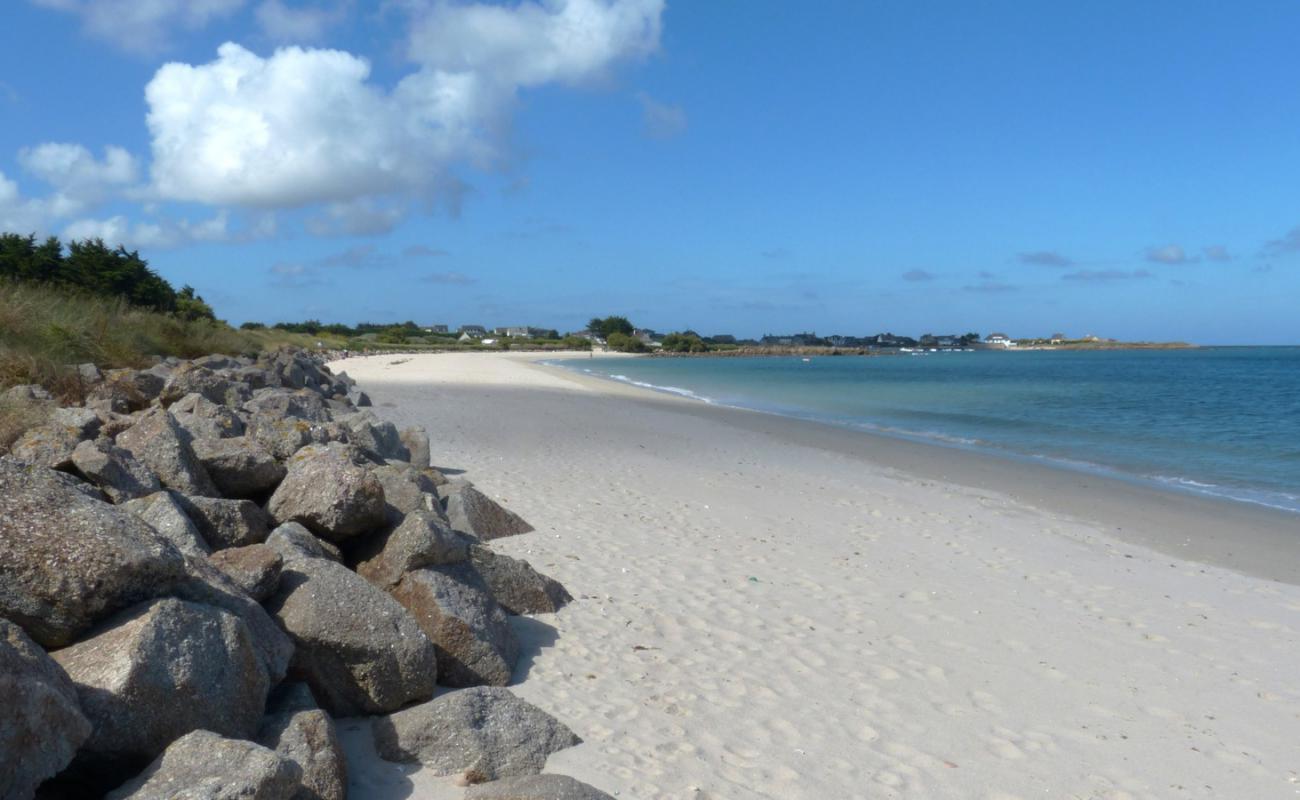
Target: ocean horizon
<point>1219,421</point>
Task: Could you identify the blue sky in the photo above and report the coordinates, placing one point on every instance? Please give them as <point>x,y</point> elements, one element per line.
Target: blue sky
<point>1114,168</point>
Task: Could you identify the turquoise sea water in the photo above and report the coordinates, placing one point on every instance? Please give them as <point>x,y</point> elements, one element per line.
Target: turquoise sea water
<point>1218,421</point>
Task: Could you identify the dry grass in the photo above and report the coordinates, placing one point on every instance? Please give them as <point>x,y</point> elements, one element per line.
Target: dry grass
<point>44,331</point>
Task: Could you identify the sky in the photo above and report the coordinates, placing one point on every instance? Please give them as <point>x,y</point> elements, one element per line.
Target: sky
<point>732,166</point>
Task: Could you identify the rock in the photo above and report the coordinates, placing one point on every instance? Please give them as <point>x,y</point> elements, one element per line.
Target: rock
<point>159,670</point>
<point>162,513</point>
<point>292,539</point>
<point>192,379</point>
<point>25,393</point>
<point>485,731</point>
<point>73,482</point>
<point>203,419</point>
<point>141,386</point>
<point>359,398</point>
<point>239,466</point>
<point>360,652</point>
<point>282,403</point>
<point>158,441</point>
<point>417,444</point>
<point>51,444</point>
<point>205,766</point>
<point>536,787</point>
<point>326,491</point>
<point>421,540</point>
<point>226,523</point>
<point>379,439</point>
<point>114,470</point>
<point>514,583</point>
<point>475,644</point>
<point>254,568</point>
<point>279,436</point>
<point>255,377</point>
<point>42,725</point>
<point>406,489</point>
<point>308,739</point>
<point>89,373</point>
<point>67,561</point>
<point>470,511</point>
<point>204,583</point>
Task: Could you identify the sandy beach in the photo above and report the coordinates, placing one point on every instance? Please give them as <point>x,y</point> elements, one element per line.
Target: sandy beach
<point>768,608</point>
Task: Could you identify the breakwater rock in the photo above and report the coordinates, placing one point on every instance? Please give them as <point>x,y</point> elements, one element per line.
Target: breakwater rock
<point>210,560</point>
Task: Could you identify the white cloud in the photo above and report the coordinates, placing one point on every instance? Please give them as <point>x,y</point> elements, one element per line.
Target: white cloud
<point>298,23</point>
<point>532,43</point>
<point>154,234</point>
<point>661,120</point>
<point>364,217</point>
<point>308,126</point>
<point>1167,254</point>
<point>142,26</point>
<point>17,213</point>
<point>78,178</point>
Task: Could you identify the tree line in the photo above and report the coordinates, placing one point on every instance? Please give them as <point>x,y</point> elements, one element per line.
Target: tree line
<point>91,266</point>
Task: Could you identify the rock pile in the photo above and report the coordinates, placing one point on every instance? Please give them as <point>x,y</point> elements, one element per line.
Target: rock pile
<point>211,560</point>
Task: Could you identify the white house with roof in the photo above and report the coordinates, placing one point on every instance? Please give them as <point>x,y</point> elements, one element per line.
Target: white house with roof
<point>999,340</point>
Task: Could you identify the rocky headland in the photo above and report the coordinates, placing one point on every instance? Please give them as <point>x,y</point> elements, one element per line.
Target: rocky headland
<point>209,562</point>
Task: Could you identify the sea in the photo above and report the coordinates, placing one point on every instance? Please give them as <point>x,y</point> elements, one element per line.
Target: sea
<point>1220,421</point>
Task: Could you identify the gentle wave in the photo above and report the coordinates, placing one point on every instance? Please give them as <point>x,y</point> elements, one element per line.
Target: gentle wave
<point>1270,498</point>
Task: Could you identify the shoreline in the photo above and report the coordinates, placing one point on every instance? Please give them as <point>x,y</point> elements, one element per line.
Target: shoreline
<point>1180,523</point>
<point>770,608</point>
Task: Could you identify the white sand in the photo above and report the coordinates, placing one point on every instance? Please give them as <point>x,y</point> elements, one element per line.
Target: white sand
<point>758,617</point>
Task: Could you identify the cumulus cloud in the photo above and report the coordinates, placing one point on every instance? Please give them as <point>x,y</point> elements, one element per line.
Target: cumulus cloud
<point>1167,254</point>
<point>1106,275</point>
<point>308,126</point>
<point>660,120</point>
<point>918,275</point>
<point>363,217</point>
<point>1216,252</point>
<point>1045,258</point>
<point>286,23</point>
<point>1290,243</point>
<point>78,178</point>
<point>153,234</point>
<point>142,26</point>
<point>18,213</point>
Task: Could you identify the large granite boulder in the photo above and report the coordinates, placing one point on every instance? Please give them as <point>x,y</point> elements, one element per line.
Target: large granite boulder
<point>160,443</point>
<point>255,568</point>
<point>473,512</point>
<point>536,787</point>
<point>381,440</point>
<point>307,738</point>
<point>421,540</point>
<point>514,583</point>
<point>282,403</point>
<point>473,639</point>
<point>226,523</point>
<point>114,470</point>
<point>51,444</point>
<point>406,489</point>
<point>281,436</point>
<point>164,514</point>
<point>485,732</point>
<point>194,379</point>
<point>204,766</point>
<point>360,652</point>
<point>203,419</point>
<point>292,539</point>
<point>328,491</point>
<point>239,466</point>
<point>160,670</point>
<point>416,440</point>
<point>67,560</point>
<point>205,584</point>
<point>41,725</point>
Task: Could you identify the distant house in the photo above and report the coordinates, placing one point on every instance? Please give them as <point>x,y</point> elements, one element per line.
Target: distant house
<point>791,340</point>
<point>515,332</point>
<point>846,341</point>
<point>473,331</point>
<point>999,340</point>
<point>646,335</point>
<point>438,329</point>
<point>465,337</point>
<point>890,340</point>
<point>488,341</point>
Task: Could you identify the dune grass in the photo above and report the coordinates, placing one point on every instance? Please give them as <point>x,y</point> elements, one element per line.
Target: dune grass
<point>45,330</point>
